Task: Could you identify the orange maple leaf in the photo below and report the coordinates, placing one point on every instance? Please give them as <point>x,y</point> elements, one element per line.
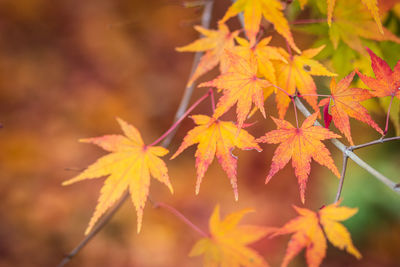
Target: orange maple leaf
<point>240,84</point>
<point>227,244</point>
<point>296,74</point>
<point>271,10</point>
<point>386,81</point>
<point>346,102</point>
<point>129,166</point>
<point>215,137</point>
<point>214,43</point>
<point>311,230</point>
<point>301,145</point>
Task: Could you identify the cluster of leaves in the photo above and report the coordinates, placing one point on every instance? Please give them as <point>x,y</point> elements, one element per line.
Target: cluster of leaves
<point>251,70</point>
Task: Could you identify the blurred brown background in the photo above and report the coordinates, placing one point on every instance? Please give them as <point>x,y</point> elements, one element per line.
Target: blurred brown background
<point>68,68</point>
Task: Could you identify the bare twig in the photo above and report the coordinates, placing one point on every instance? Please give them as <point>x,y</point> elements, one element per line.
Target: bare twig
<point>205,23</point>
<point>104,220</point>
<point>344,168</point>
<point>379,141</point>
<point>206,18</point>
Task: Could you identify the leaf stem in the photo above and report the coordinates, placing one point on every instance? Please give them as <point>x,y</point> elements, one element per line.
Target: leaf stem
<point>387,117</point>
<point>212,100</point>
<point>308,21</point>
<point>175,125</point>
<point>289,50</point>
<point>314,95</point>
<point>180,216</point>
<point>344,168</point>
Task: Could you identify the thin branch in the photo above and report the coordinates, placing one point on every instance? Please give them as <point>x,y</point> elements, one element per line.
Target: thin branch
<point>352,155</point>
<point>295,112</point>
<point>205,23</point>
<point>104,220</point>
<point>379,141</point>
<point>179,215</point>
<point>344,168</point>
<point>206,18</point>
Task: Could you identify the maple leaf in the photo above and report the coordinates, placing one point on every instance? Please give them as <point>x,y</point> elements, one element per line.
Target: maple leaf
<point>352,21</point>
<point>296,74</point>
<point>240,84</point>
<point>372,5</point>
<point>345,103</point>
<point>271,10</point>
<point>311,229</point>
<point>264,55</point>
<point>227,244</point>
<point>128,167</point>
<point>301,145</point>
<point>219,138</point>
<point>214,43</point>
<point>386,81</point>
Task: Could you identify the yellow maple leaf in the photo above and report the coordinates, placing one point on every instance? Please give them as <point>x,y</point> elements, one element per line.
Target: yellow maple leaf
<point>264,55</point>
<point>214,43</point>
<point>271,10</point>
<point>351,21</point>
<point>227,244</point>
<point>128,167</point>
<point>216,138</point>
<point>309,231</point>
<point>296,74</point>
<point>372,5</point>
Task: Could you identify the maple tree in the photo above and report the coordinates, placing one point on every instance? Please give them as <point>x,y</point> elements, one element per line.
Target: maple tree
<point>250,71</point>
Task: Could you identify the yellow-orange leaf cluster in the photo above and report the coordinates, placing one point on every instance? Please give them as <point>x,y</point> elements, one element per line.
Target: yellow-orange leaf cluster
<point>311,229</point>
<point>253,10</point>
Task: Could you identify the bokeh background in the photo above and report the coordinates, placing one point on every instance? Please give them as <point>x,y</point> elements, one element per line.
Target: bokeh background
<point>68,68</point>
